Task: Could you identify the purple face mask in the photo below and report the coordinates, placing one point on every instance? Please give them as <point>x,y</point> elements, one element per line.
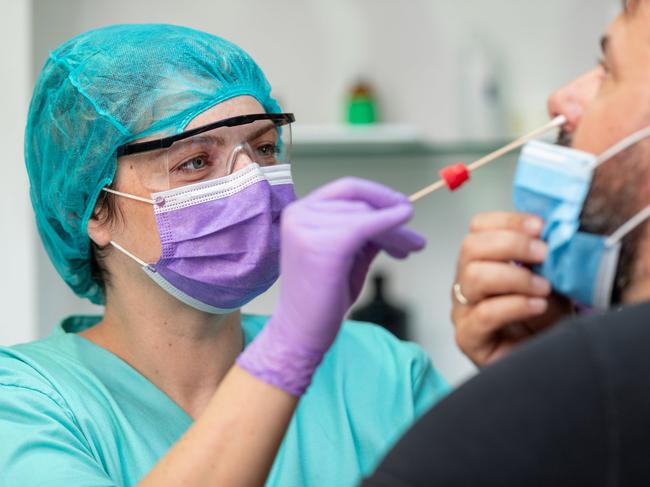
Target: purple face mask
<point>221,238</point>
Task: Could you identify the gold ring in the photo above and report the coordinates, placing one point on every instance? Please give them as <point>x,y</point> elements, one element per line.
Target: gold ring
<point>458,294</point>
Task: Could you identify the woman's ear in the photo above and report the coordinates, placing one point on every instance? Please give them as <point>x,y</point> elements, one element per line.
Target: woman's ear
<point>99,229</point>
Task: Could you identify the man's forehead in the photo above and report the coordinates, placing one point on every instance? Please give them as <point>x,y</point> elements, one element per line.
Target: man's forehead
<point>628,34</point>
<point>630,6</point>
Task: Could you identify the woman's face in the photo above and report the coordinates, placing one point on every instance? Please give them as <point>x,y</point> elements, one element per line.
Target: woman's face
<point>135,228</point>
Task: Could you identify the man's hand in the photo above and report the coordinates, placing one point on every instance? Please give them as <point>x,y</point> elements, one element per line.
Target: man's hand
<point>498,301</point>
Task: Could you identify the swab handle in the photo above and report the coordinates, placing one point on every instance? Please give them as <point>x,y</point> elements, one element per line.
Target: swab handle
<point>556,122</point>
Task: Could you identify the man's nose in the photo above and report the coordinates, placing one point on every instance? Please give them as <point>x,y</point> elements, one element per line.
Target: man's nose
<point>572,99</point>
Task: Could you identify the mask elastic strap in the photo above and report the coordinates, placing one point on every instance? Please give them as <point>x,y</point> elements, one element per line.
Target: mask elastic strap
<point>624,144</point>
<point>128,254</point>
<point>130,196</point>
<point>628,227</point>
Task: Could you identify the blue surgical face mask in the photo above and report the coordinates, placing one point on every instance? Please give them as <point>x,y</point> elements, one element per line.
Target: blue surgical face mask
<point>553,182</point>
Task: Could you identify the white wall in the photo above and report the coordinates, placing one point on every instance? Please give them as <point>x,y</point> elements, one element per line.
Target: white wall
<point>312,49</point>
<point>17,243</point>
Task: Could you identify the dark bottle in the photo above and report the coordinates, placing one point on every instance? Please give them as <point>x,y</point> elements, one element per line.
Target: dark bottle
<point>381,312</point>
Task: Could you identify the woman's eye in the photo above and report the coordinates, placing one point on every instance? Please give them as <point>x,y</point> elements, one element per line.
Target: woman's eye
<point>268,150</point>
<point>195,164</point>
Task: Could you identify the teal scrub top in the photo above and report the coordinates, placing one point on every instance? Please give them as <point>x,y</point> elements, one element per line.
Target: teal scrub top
<point>74,414</point>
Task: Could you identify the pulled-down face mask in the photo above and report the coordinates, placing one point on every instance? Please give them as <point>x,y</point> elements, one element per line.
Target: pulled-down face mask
<point>553,182</point>
<point>217,193</point>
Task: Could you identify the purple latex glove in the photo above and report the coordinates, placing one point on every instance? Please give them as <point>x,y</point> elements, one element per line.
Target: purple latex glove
<point>328,241</point>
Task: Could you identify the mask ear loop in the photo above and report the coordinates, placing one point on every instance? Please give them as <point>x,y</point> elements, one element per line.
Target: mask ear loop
<point>128,254</point>
<point>624,144</point>
<point>644,214</point>
<point>130,196</point>
<point>628,227</point>
<point>607,270</point>
<point>115,244</point>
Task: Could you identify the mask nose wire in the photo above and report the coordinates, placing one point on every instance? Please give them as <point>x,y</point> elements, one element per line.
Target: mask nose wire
<point>624,144</point>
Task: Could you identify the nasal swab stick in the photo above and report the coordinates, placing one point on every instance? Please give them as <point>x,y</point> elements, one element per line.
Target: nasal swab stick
<point>461,173</point>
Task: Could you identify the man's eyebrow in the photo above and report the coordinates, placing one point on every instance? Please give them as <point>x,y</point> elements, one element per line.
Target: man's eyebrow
<point>604,43</point>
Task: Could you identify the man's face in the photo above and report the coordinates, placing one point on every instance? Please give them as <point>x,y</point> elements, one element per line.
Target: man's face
<point>621,104</point>
<point>603,107</point>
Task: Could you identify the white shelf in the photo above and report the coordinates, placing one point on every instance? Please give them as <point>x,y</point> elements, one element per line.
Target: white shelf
<point>328,140</point>
<point>305,134</point>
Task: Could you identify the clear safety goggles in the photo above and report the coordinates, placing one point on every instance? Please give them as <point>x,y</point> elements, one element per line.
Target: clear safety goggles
<point>212,151</point>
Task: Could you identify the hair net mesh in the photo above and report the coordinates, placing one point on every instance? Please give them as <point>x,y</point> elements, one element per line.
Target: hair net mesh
<point>102,89</point>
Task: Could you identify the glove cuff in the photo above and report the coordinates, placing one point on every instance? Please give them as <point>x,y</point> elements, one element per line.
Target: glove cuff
<point>272,358</point>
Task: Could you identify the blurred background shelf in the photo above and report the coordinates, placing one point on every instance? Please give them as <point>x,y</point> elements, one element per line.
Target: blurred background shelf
<point>341,140</point>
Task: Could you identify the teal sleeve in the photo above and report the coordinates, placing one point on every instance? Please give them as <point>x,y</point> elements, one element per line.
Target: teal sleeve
<point>427,384</point>
<point>41,444</point>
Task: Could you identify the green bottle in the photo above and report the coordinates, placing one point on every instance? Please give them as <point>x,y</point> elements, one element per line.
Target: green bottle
<point>361,105</point>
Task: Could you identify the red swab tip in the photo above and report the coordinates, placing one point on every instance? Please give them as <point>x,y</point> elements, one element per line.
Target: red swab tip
<point>455,175</point>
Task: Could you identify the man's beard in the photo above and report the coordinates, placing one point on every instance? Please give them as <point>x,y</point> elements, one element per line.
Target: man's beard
<point>614,197</point>
<point>564,138</point>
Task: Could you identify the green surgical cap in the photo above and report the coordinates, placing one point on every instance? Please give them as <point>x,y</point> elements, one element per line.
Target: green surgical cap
<point>102,89</point>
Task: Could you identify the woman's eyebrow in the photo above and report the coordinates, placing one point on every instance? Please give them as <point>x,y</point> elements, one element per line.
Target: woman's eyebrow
<point>214,139</point>
<point>255,134</point>
<point>198,139</point>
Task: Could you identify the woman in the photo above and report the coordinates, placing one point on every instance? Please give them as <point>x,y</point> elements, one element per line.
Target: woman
<point>158,168</point>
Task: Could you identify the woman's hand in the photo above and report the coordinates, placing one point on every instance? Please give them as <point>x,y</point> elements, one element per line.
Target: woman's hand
<point>328,241</point>
<point>497,301</point>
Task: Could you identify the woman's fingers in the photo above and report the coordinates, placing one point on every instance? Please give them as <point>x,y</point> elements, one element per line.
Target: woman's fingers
<point>357,189</point>
<point>400,242</point>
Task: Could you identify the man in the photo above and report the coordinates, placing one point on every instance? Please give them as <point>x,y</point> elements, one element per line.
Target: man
<point>506,304</point>
<point>572,406</point>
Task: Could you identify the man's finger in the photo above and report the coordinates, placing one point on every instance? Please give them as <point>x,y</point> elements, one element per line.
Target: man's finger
<point>481,279</point>
<point>502,246</point>
<point>518,222</point>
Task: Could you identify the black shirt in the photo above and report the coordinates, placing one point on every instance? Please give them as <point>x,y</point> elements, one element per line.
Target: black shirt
<point>571,407</point>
